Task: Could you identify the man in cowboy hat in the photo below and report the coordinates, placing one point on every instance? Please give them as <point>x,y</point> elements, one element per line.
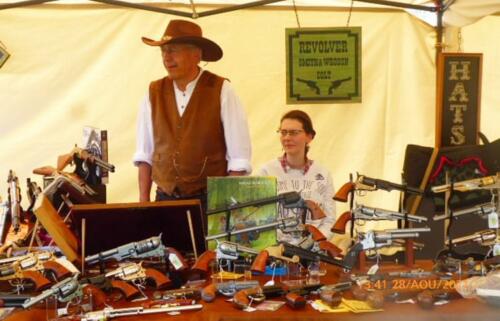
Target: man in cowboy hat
<point>191,124</point>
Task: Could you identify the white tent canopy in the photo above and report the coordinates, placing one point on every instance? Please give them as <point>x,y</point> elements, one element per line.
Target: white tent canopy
<point>458,13</point>
<point>74,65</point>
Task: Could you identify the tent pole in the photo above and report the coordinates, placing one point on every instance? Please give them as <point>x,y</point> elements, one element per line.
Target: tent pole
<point>399,5</point>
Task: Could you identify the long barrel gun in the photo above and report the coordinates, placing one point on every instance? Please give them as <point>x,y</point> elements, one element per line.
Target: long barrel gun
<point>484,237</point>
<point>487,182</point>
<point>362,212</point>
<point>224,253</point>
<point>365,183</point>
<point>151,247</point>
<point>284,198</point>
<point>83,155</point>
<point>111,313</point>
<point>375,214</point>
<point>229,251</point>
<point>481,209</point>
<point>285,224</point>
<point>14,201</point>
<point>378,239</point>
<point>64,291</point>
<point>4,216</point>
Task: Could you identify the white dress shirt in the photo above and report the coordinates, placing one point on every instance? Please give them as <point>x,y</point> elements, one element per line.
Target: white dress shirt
<point>233,118</point>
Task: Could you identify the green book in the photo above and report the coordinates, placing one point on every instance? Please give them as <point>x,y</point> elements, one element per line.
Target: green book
<point>230,190</point>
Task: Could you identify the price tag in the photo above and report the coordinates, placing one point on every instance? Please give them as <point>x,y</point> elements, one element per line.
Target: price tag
<point>493,220</point>
<point>373,269</point>
<point>62,312</point>
<point>176,262</point>
<point>496,249</point>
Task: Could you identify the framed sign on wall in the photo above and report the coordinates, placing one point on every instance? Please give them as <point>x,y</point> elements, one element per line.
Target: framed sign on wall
<point>458,99</point>
<point>323,65</point>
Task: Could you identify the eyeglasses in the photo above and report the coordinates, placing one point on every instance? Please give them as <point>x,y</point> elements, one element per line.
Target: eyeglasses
<point>291,132</point>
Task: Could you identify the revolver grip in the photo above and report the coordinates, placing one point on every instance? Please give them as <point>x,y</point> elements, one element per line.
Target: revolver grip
<point>259,263</point>
<point>208,293</point>
<point>128,290</point>
<point>160,279</point>
<point>343,193</point>
<point>330,248</point>
<point>341,222</point>
<point>59,271</point>
<point>351,257</point>
<point>315,233</point>
<point>98,296</point>
<point>37,278</point>
<point>295,301</point>
<point>203,262</point>
<point>331,298</point>
<point>240,299</point>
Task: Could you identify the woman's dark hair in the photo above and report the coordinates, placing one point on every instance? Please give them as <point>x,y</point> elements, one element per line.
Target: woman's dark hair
<point>303,118</point>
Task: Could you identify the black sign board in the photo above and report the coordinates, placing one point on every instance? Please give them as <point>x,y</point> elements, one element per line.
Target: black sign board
<point>458,99</point>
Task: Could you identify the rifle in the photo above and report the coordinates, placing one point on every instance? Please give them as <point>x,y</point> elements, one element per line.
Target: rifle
<point>4,224</point>
<point>365,183</point>
<point>283,224</point>
<point>290,250</point>
<point>33,191</point>
<point>311,84</point>
<point>135,273</point>
<point>226,288</point>
<point>378,239</point>
<point>336,84</point>
<point>287,198</point>
<point>481,209</point>
<point>14,201</point>
<point>110,313</point>
<point>151,247</point>
<point>82,155</point>
<point>487,182</point>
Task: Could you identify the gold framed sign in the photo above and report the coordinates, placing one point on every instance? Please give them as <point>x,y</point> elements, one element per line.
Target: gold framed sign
<point>4,55</point>
<point>458,98</point>
<point>323,65</point>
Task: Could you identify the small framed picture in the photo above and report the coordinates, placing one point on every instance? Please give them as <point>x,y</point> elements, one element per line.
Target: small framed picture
<point>4,55</point>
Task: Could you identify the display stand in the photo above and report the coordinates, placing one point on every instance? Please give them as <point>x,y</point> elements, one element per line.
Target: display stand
<point>101,227</point>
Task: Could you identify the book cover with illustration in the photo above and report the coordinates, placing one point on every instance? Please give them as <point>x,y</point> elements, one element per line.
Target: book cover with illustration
<point>231,190</point>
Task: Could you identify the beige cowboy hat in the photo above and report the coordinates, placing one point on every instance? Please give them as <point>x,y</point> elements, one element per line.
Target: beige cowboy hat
<point>182,31</point>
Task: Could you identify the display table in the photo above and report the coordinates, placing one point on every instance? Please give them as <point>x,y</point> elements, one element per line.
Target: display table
<point>221,310</point>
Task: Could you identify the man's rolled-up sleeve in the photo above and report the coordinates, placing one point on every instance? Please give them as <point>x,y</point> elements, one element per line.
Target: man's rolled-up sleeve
<point>236,132</point>
<point>144,136</point>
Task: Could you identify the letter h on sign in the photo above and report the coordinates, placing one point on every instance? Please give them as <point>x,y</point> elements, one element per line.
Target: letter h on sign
<point>458,99</point>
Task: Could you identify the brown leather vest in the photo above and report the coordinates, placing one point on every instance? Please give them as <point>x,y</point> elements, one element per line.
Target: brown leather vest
<point>187,149</point>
